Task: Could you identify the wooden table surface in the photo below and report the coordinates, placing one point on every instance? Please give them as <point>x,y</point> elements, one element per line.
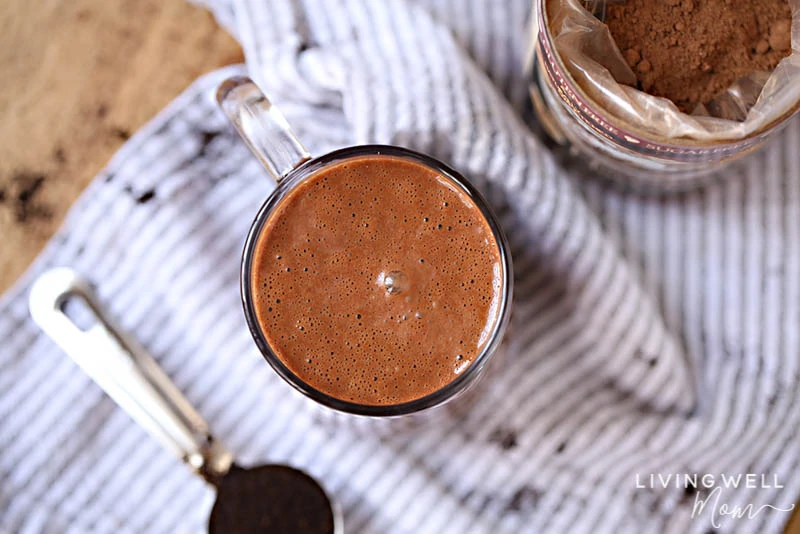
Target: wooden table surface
<point>794,523</point>
<point>78,78</point>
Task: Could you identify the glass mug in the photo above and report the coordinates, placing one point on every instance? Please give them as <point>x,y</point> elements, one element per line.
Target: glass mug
<point>272,141</point>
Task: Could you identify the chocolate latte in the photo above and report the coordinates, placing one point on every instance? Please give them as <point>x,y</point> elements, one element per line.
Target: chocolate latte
<point>377,280</point>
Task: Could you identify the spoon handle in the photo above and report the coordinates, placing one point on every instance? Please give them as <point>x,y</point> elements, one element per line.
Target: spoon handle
<point>124,370</point>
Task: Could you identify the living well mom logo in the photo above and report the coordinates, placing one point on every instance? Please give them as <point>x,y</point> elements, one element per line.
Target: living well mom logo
<point>714,493</point>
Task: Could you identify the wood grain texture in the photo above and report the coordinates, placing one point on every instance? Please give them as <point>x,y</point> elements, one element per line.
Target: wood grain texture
<point>78,78</point>
<point>794,524</point>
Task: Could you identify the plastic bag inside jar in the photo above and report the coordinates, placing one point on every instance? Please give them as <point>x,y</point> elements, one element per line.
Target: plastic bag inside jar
<point>752,103</point>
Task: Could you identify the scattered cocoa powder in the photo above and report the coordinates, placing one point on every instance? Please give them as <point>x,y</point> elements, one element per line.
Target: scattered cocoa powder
<point>691,50</point>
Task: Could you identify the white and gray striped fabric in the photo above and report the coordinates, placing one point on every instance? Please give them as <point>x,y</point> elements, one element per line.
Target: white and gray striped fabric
<point>649,335</point>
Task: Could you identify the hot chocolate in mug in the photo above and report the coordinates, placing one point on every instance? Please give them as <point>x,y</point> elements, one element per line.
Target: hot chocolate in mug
<point>375,280</point>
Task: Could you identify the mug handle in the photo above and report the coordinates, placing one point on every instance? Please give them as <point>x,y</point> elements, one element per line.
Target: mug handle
<point>262,126</point>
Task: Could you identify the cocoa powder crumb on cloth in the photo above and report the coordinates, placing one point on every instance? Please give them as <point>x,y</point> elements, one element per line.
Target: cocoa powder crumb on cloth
<point>691,50</point>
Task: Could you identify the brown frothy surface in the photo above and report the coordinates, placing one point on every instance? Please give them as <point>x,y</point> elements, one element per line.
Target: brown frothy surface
<point>691,50</point>
<point>318,270</point>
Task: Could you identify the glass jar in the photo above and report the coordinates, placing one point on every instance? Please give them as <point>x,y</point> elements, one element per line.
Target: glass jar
<point>612,148</point>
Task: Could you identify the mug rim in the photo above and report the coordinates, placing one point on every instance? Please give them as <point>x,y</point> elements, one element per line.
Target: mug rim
<point>436,398</point>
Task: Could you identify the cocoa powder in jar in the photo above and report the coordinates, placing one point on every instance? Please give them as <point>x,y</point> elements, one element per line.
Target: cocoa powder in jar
<point>689,51</point>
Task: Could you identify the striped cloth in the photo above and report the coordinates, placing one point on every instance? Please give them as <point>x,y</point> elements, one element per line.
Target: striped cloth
<point>650,336</point>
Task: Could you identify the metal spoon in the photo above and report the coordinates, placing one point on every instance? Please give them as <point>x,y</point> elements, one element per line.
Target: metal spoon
<point>269,498</point>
